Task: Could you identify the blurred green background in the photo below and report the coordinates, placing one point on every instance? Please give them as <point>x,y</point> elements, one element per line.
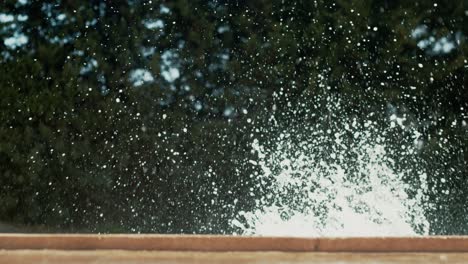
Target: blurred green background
<point>138,116</point>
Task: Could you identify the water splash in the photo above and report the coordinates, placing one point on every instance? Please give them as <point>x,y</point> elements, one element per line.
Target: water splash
<point>345,176</point>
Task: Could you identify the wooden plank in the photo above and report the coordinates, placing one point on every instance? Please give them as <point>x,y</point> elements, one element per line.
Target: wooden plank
<point>232,243</point>
<point>143,257</point>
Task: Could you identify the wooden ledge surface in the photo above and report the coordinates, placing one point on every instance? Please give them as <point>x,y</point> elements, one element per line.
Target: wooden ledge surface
<point>188,257</point>
<point>210,243</point>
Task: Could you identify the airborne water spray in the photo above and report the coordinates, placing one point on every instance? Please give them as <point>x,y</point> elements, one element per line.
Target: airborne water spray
<point>342,175</point>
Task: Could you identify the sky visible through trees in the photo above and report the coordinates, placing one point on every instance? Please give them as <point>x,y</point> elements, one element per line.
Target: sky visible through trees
<point>190,116</point>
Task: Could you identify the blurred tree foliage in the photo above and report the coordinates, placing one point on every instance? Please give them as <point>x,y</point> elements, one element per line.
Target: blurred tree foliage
<point>136,116</point>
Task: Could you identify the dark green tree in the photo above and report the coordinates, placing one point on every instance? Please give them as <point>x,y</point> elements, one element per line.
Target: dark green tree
<point>138,115</point>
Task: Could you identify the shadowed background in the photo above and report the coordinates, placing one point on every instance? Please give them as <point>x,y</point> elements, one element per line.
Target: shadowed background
<point>138,116</point>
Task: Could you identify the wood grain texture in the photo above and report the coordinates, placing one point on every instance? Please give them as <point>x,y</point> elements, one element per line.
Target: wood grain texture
<point>232,243</point>
<point>144,257</point>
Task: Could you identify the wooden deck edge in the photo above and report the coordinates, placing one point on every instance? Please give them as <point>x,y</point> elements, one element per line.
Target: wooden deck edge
<point>232,243</point>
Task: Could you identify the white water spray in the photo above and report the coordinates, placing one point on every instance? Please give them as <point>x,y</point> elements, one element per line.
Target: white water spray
<point>339,179</point>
